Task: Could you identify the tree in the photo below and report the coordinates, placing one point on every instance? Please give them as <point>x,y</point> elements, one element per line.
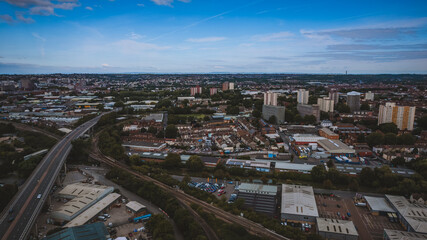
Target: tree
<point>406,139</point>
<point>171,131</point>
<point>318,173</point>
<point>398,161</point>
<point>152,130</point>
<point>388,128</point>
<point>328,184</point>
<point>390,139</point>
<point>195,163</point>
<point>272,119</point>
<point>422,122</point>
<point>324,115</point>
<point>119,104</point>
<point>330,163</point>
<point>375,139</point>
<point>310,119</point>
<point>232,110</point>
<point>361,138</point>
<point>135,159</point>
<point>172,160</point>
<point>256,113</point>
<point>342,108</point>
<point>353,185</point>
<point>367,176</point>
<point>365,107</point>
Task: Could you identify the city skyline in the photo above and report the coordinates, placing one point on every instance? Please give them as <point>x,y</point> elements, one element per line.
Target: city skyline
<point>166,36</point>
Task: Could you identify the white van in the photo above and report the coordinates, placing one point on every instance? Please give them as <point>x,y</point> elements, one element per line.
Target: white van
<point>39,196</point>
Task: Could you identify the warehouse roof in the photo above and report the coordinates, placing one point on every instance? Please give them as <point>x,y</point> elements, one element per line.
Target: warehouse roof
<point>335,146</point>
<point>87,232</point>
<point>294,166</point>
<point>135,206</point>
<point>379,204</point>
<point>414,214</point>
<point>403,235</point>
<point>80,189</point>
<point>91,212</point>
<point>258,188</point>
<point>298,200</point>
<point>336,226</point>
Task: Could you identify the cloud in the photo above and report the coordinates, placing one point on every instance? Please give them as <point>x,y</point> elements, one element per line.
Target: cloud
<point>106,65</point>
<point>44,7</point>
<point>21,18</point>
<point>376,56</point>
<point>206,39</point>
<point>36,35</point>
<point>167,2</point>
<point>7,18</point>
<point>140,5</point>
<point>134,47</point>
<point>89,8</point>
<point>135,36</point>
<point>279,36</point>
<point>367,47</point>
<point>274,58</point>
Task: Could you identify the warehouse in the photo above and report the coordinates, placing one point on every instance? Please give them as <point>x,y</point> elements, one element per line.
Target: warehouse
<point>378,206</point>
<point>298,204</point>
<point>261,198</point>
<point>87,232</point>
<point>92,212</point>
<point>402,235</point>
<point>413,217</point>
<point>336,229</point>
<point>135,207</point>
<point>80,189</point>
<point>336,148</point>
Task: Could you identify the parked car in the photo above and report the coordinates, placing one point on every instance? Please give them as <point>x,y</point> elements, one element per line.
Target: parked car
<point>338,206</point>
<point>348,214</point>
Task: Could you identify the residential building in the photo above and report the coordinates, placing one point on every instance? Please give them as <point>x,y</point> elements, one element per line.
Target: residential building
<point>262,198</point>
<point>231,86</point>
<point>336,229</point>
<point>298,204</point>
<point>304,110</point>
<point>326,104</point>
<point>402,116</point>
<point>270,98</point>
<point>213,91</point>
<point>370,96</point>
<point>225,86</point>
<point>277,111</point>
<point>302,96</point>
<point>334,95</point>
<point>353,101</point>
<point>196,90</point>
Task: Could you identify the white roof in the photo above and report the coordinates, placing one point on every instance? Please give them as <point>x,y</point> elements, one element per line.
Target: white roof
<point>298,200</point>
<point>353,93</point>
<point>79,189</point>
<point>335,146</point>
<point>403,235</point>
<point>379,204</point>
<point>336,226</point>
<point>294,166</point>
<point>91,212</point>
<point>414,214</point>
<point>258,188</point>
<point>135,206</point>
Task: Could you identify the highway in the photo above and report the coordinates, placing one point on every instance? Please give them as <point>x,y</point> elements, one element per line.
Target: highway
<point>21,213</point>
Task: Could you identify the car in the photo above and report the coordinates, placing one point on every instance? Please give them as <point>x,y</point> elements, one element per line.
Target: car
<point>339,214</point>
<point>338,206</point>
<point>348,214</point>
<point>39,196</point>
<point>11,211</point>
<point>324,204</point>
<point>11,219</point>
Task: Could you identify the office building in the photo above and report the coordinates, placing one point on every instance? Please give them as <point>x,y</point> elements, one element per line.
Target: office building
<point>412,216</point>
<point>302,96</point>
<point>213,91</point>
<point>196,90</point>
<point>334,95</point>
<point>402,116</point>
<point>277,111</point>
<point>326,104</point>
<point>390,234</point>
<point>298,204</point>
<point>370,96</point>
<point>304,109</point>
<point>353,101</point>
<point>270,98</point>
<point>336,229</point>
<point>261,198</point>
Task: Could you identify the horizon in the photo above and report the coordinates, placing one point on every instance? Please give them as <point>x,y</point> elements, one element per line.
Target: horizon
<point>212,37</point>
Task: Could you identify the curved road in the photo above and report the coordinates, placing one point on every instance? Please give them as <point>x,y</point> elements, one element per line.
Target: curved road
<point>27,203</point>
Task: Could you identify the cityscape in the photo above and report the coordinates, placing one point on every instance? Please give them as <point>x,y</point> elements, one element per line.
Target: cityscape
<point>189,119</point>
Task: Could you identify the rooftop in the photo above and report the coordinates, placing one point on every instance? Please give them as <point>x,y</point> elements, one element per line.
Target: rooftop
<point>298,200</point>
<point>87,232</point>
<point>336,226</point>
<point>379,204</point>
<point>334,146</point>
<point>258,188</point>
<point>403,235</point>
<point>79,189</point>
<point>414,214</point>
<point>135,206</point>
<point>157,117</point>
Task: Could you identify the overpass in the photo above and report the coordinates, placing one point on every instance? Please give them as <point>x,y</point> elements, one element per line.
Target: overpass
<point>21,213</point>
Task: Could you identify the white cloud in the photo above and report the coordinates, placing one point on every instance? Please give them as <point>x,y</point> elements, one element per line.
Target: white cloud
<point>167,2</point>
<point>140,5</point>
<point>36,35</point>
<point>44,7</point>
<point>279,36</point>
<point>135,36</point>
<point>21,18</point>
<point>134,47</point>
<point>206,39</point>
<point>106,65</point>
<point>89,8</point>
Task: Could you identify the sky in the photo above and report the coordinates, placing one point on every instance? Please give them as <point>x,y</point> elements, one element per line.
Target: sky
<point>212,36</point>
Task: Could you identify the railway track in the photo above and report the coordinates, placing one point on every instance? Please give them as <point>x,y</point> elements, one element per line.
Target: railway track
<point>252,227</point>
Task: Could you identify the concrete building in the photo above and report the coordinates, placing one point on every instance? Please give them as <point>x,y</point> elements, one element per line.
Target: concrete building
<point>402,116</point>
<point>298,204</point>
<point>196,90</point>
<point>353,101</point>
<point>87,232</point>
<point>277,111</point>
<point>304,110</point>
<point>213,91</point>
<point>412,216</point>
<point>262,198</point>
<point>304,139</point>
<point>302,96</point>
<point>80,189</point>
<point>336,229</point>
<point>326,104</point>
<point>334,95</point>
<point>270,98</point>
<point>370,96</point>
<point>402,235</point>
<point>378,206</point>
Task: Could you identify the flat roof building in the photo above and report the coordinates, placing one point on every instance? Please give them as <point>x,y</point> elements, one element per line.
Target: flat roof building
<point>336,148</point>
<point>325,132</point>
<point>79,189</point>
<point>336,229</point>
<point>298,204</point>
<point>96,231</point>
<point>412,216</point>
<point>402,235</point>
<point>378,205</point>
<point>135,207</point>
<point>262,198</point>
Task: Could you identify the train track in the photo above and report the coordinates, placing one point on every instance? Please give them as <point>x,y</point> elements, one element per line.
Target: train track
<point>251,227</point>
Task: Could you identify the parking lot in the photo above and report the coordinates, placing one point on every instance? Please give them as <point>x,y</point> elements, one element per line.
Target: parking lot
<point>368,226</point>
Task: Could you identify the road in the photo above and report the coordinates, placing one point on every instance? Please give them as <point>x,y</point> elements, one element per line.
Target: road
<point>27,204</point>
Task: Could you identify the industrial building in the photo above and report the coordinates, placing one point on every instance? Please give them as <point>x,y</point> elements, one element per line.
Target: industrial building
<point>305,139</point>
<point>325,132</point>
<point>336,229</point>
<point>96,231</point>
<point>412,216</point>
<point>336,148</point>
<point>378,205</point>
<point>298,204</point>
<point>80,189</point>
<point>402,235</point>
<point>259,197</point>
<point>135,207</point>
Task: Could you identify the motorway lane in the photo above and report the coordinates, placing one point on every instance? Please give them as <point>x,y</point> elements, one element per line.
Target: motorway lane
<point>26,205</point>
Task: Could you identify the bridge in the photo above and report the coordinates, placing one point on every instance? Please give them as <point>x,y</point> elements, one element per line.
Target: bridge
<point>20,215</point>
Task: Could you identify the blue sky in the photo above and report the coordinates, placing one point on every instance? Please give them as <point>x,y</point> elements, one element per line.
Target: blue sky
<point>202,36</point>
